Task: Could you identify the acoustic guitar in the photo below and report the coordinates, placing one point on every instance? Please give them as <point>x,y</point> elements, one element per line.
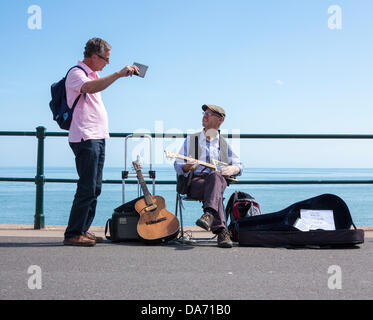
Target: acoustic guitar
<point>156,223</point>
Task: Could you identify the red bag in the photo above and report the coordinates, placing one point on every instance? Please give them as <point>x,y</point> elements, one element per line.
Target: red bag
<point>240,205</point>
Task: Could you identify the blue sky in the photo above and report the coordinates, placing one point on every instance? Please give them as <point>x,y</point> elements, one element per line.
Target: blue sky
<point>275,66</point>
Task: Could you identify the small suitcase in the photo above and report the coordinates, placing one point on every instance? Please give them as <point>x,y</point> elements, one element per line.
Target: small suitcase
<point>277,229</point>
<point>123,224</point>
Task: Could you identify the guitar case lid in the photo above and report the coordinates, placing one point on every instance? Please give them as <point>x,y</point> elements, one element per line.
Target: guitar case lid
<point>128,206</point>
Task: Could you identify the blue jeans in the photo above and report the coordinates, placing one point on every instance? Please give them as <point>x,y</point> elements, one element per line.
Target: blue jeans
<point>89,160</point>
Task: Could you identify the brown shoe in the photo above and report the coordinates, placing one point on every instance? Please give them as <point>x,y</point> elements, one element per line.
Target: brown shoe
<point>224,239</point>
<point>205,221</point>
<point>92,236</point>
<point>79,240</point>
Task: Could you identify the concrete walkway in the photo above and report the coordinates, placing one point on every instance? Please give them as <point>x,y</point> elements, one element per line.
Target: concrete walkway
<point>26,230</point>
<point>136,271</point>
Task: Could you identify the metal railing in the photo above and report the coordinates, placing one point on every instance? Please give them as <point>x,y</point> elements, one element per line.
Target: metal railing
<point>40,179</point>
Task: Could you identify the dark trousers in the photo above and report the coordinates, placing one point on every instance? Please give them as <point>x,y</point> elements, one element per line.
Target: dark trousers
<point>210,189</point>
<point>89,160</point>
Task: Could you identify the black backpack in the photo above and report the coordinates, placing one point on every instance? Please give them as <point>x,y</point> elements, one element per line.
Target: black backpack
<point>62,114</point>
<point>240,205</point>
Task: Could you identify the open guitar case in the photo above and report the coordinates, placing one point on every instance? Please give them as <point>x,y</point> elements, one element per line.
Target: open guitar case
<point>277,229</point>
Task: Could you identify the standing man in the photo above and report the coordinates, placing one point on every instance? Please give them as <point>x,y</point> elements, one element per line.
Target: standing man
<point>206,185</point>
<point>87,134</point>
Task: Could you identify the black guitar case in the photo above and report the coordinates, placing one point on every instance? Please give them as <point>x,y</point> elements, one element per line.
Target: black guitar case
<point>277,229</point>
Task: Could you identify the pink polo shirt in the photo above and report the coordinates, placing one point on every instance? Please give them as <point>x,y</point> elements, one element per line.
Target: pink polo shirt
<point>90,120</point>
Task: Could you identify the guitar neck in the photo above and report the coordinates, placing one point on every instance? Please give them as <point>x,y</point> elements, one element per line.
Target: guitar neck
<point>216,166</point>
<point>144,187</point>
<point>202,163</point>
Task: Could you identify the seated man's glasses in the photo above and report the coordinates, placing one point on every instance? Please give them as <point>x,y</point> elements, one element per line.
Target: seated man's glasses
<point>209,114</point>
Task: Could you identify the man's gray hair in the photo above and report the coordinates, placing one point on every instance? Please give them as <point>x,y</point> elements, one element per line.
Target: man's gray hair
<point>96,46</point>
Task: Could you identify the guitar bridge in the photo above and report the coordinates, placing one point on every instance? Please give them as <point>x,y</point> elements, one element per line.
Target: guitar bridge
<point>151,208</point>
<point>156,220</point>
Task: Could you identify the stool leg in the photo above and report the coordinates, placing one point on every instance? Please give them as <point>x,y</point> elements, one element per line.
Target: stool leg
<point>181,216</point>
<point>177,204</point>
<point>189,239</point>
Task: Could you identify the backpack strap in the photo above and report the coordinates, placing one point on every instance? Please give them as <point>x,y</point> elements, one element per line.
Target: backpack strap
<point>78,97</point>
<point>229,207</point>
<point>81,68</point>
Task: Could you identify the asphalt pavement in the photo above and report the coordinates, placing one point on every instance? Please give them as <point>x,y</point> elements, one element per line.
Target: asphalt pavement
<point>40,267</point>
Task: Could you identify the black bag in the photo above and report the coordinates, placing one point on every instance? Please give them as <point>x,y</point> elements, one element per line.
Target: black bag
<point>277,229</point>
<point>240,205</point>
<point>184,183</point>
<point>62,114</point>
<point>123,224</point>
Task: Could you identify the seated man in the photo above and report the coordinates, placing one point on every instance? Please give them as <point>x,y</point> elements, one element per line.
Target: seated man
<point>209,185</point>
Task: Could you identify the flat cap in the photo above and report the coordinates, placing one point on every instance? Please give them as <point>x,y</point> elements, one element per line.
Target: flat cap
<point>219,110</point>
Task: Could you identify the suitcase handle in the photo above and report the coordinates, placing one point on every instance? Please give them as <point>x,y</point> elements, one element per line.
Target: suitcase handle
<point>107,226</point>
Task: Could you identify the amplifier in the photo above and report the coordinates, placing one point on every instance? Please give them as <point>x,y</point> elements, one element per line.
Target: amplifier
<point>123,223</point>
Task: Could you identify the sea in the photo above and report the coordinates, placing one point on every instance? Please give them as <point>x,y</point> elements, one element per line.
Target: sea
<point>17,199</point>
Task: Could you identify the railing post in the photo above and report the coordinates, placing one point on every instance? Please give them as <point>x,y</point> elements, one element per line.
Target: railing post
<point>39,180</point>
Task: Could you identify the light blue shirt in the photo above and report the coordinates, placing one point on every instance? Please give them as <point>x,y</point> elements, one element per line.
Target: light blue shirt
<point>209,150</point>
